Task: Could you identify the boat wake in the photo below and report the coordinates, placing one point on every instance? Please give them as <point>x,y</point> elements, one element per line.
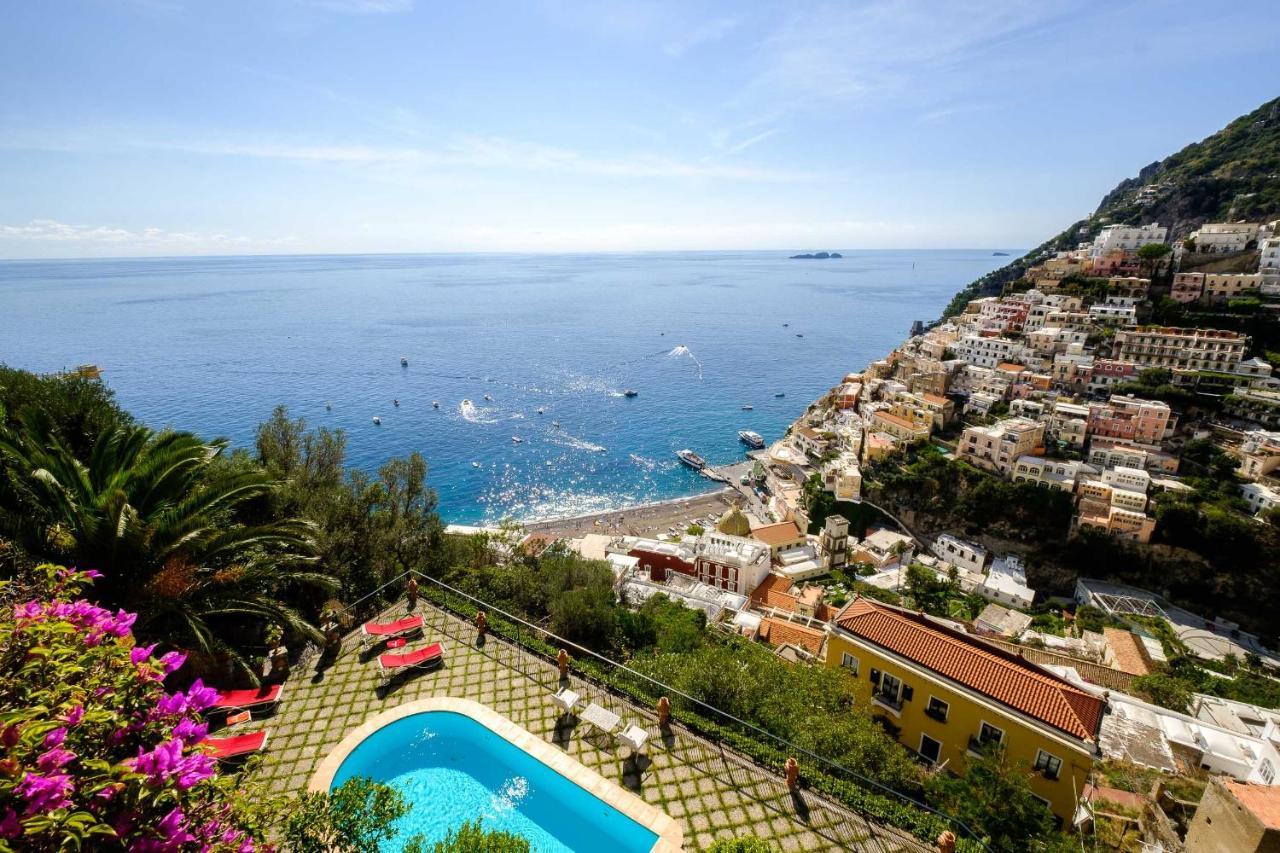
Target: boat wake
<point>684,352</point>
<point>565,440</point>
<point>471,414</point>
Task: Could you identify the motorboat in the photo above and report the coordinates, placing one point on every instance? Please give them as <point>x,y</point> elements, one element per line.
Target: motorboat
<point>799,334</point>
<point>630,393</point>
<point>395,403</point>
<point>691,459</point>
<point>780,395</point>
<point>753,439</point>
<point>404,362</point>
<point>555,425</point>
<point>377,420</point>
<point>475,464</point>
<point>487,397</point>
<point>517,439</point>
<point>540,411</point>
<point>435,404</point>
<point>748,407</point>
<point>328,407</point>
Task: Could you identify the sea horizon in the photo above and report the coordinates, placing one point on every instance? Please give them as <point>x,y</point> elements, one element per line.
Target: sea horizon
<point>211,344</point>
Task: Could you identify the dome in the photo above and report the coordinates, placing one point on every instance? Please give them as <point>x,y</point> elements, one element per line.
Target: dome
<point>734,523</point>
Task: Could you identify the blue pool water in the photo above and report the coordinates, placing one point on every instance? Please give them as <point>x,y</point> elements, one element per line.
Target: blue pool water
<point>451,768</point>
<point>213,344</point>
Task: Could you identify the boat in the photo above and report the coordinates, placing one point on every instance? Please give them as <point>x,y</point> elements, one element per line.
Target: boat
<point>377,420</point>
<point>475,464</point>
<point>517,439</point>
<point>487,397</point>
<point>540,411</point>
<point>395,403</point>
<point>691,459</point>
<point>754,439</point>
<point>799,334</point>
<point>328,407</point>
<point>748,407</point>
<point>555,425</point>
<point>630,393</point>
<point>780,395</point>
<point>404,362</point>
<point>435,404</point>
<point>466,403</point>
<point>784,325</point>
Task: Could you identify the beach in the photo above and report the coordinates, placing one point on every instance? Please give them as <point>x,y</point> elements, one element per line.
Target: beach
<point>654,519</point>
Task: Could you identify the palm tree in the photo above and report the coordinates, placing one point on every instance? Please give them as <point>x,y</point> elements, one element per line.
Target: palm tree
<point>156,515</point>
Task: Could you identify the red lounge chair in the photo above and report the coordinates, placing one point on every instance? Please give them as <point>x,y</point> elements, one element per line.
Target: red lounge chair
<point>393,664</point>
<point>237,746</point>
<point>376,632</point>
<point>252,699</point>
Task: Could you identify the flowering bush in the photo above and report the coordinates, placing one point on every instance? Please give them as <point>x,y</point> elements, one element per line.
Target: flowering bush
<point>94,752</point>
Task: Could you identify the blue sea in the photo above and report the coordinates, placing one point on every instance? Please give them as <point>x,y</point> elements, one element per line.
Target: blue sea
<point>212,345</point>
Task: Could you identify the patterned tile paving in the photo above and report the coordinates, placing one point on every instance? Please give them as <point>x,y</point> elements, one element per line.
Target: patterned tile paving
<point>715,792</point>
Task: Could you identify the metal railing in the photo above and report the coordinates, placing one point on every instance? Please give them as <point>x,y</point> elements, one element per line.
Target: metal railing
<point>533,656</point>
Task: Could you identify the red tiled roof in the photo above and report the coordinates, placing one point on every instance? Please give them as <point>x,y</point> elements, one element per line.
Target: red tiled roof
<point>776,534</point>
<point>1262,801</point>
<point>775,591</point>
<point>779,632</point>
<point>999,675</point>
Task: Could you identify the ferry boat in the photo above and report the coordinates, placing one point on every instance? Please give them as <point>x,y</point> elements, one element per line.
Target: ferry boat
<point>754,439</point>
<point>691,459</point>
<point>630,393</point>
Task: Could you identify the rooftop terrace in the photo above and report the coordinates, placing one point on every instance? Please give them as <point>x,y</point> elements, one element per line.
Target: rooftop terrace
<point>714,792</point>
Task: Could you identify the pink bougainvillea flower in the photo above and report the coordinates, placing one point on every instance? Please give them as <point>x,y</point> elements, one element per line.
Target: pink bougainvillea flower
<point>56,737</point>
<point>139,654</point>
<point>54,759</point>
<point>172,661</point>
<point>74,716</point>
<point>45,793</point>
<point>174,834</point>
<point>189,731</point>
<point>92,574</point>
<point>10,826</point>
<point>199,697</point>
<point>30,610</point>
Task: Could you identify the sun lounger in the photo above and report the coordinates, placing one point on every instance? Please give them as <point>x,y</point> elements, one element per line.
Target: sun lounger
<point>634,737</point>
<point>377,632</point>
<point>566,699</point>
<point>252,699</point>
<point>602,718</point>
<point>393,664</point>
<point>237,746</point>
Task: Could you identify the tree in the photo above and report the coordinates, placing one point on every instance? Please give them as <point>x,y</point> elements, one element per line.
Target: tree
<point>474,838</point>
<point>994,797</point>
<point>157,517</point>
<point>96,754</point>
<point>1165,690</point>
<point>355,817</point>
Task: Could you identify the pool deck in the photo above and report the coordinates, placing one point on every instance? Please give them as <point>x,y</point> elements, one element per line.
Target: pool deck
<point>710,791</point>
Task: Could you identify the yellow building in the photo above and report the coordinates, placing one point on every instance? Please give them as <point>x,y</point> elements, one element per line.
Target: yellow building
<point>948,695</point>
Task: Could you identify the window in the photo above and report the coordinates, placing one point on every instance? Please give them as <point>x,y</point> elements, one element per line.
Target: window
<point>1048,765</point>
<point>889,691</point>
<point>849,662</point>
<point>1267,771</point>
<point>987,735</point>
<point>930,749</point>
<point>937,709</point>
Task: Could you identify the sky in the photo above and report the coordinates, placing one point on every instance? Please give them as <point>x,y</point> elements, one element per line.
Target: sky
<point>177,127</point>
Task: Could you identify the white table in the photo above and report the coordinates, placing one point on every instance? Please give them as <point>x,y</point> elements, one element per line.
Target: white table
<point>601,718</point>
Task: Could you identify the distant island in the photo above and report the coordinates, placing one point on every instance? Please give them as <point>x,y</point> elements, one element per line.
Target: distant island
<point>999,254</point>
<point>816,256</point>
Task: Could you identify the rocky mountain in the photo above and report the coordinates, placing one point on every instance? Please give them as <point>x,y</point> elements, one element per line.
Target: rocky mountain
<point>1233,174</point>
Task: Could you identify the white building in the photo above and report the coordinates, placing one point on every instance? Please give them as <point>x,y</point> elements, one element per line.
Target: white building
<point>983,352</point>
<point>1259,497</point>
<point>1114,315</point>
<point>1006,583</point>
<point>1127,238</point>
<point>965,555</point>
<point>1269,265</point>
<point>1057,474</point>
<point>1215,237</point>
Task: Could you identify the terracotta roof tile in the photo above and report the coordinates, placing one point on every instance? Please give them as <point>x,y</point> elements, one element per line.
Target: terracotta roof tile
<point>776,534</point>
<point>999,675</point>
<point>774,591</point>
<point>779,632</point>
<point>1262,801</point>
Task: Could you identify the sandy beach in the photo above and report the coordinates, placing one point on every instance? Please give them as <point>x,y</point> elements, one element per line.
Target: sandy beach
<point>645,520</point>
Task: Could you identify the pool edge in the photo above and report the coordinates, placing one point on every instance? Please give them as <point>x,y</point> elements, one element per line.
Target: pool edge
<point>669,830</point>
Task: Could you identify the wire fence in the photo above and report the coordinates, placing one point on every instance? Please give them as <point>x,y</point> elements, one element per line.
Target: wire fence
<point>531,650</point>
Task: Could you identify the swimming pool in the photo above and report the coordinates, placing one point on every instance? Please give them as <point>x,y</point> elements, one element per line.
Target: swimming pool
<point>451,766</point>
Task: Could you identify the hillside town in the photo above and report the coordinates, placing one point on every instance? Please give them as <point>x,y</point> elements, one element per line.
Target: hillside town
<point>1068,383</point>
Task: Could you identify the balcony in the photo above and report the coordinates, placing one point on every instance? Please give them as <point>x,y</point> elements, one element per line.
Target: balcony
<point>936,714</point>
<point>893,703</point>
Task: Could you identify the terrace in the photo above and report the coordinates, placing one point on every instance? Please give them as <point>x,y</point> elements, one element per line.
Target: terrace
<point>712,791</point>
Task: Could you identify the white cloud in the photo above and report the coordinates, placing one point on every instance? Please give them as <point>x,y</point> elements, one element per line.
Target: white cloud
<point>52,231</point>
<point>712,31</point>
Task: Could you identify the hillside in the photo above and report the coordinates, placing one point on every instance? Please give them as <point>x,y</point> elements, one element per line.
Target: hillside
<point>1233,174</point>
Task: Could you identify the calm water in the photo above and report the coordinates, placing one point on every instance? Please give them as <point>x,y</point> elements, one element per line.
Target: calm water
<point>451,769</point>
<point>213,344</point>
